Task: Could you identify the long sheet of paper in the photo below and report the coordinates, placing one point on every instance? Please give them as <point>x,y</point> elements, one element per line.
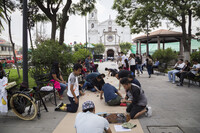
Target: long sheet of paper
<point>119,128</point>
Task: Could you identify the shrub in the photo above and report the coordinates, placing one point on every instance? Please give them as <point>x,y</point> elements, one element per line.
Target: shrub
<point>48,52</point>
<point>165,56</point>
<point>81,54</point>
<point>196,55</point>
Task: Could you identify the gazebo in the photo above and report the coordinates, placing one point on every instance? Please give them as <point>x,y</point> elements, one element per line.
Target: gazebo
<point>159,36</point>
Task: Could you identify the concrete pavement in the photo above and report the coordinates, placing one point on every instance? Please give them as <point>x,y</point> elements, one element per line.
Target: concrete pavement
<point>171,105</point>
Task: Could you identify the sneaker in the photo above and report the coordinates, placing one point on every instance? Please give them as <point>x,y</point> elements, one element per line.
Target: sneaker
<point>149,111</point>
<point>58,106</point>
<point>173,82</point>
<point>149,76</point>
<point>179,84</point>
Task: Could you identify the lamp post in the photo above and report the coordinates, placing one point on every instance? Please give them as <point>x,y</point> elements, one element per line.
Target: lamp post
<point>86,30</point>
<point>25,44</point>
<point>147,36</point>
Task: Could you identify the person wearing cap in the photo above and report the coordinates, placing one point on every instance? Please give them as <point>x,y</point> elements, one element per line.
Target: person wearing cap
<point>73,91</point>
<point>88,122</point>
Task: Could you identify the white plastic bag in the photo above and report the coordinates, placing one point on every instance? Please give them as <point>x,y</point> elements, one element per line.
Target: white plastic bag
<point>3,95</point>
<point>46,88</point>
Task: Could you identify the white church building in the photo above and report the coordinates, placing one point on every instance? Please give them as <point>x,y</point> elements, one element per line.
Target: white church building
<point>108,33</point>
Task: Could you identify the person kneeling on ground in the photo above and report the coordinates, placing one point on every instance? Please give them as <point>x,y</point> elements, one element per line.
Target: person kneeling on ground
<point>110,95</point>
<point>88,122</point>
<point>133,80</point>
<point>139,102</point>
<point>111,71</point>
<point>73,91</point>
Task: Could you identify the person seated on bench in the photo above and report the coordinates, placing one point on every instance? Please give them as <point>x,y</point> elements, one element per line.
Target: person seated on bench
<point>111,71</point>
<point>178,66</point>
<point>88,122</point>
<point>183,72</point>
<point>111,94</point>
<point>192,73</point>
<point>155,65</point>
<point>94,82</point>
<point>139,102</point>
<point>56,76</point>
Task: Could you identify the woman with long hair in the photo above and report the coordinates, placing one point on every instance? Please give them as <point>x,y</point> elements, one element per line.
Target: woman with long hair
<point>2,71</point>
<point>57,77</point>
<point>126,65</point>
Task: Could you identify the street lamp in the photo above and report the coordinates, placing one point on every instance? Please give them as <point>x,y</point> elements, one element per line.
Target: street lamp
<point>86,30</point>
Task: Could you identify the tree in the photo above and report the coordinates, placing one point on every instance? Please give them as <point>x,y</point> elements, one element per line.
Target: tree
<point>136,14</point>
<point>9,6</point>
<point>125,47</point>
<point>81,54</point>
<point>98,49</point>
<point>1,15</point>
<point>51,8</point>
<point>78,46</point>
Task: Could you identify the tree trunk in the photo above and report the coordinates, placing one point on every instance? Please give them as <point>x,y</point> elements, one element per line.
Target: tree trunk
<point>53,30</point>
<point>64,20</point>
<point>10,36</point>
<point>189,29</point>
<point>29,31</point>
<point>186,53</point>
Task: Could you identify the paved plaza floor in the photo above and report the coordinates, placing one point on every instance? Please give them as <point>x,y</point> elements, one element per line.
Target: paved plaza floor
<point>171,105</point>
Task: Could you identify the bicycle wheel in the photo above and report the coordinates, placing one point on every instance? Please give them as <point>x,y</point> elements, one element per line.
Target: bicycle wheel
<point>23,106</point>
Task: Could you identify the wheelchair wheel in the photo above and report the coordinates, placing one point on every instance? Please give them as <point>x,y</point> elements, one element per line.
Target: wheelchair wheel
<point>23,106</point>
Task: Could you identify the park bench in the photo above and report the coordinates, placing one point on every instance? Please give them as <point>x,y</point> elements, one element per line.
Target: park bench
<point>195,79</point>
<point>41,81</point>
<point>161,69</point>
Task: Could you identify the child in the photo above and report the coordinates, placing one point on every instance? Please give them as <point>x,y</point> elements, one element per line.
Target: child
<point>73,91</point>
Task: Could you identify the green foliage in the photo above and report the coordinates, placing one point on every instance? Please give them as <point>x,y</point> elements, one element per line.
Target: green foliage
<point>196,56</point>
<point>98,49</point>
<point>48,52</point>
<point>13,76</point>
<point>165,56</point>
<point>81,54</point>
<point>78,46</point>
<point>125,47</point>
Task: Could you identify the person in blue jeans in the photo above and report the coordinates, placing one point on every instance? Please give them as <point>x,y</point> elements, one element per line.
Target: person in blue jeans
<point>172,74</point>
<point>56,75</point>
<point>111,94</point>
<point>149,63</point>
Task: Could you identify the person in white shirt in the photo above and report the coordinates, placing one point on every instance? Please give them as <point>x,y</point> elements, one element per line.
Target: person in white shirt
<point>172,74</point>
<point>123,58</point>
<point>73,91</point>
<point>132,63</point>
<point>89,122</point>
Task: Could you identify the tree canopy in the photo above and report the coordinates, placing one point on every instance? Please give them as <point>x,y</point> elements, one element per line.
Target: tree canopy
<point>125,47</point>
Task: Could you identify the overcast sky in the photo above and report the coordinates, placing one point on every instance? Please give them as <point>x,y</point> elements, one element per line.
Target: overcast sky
<point>75,28</point>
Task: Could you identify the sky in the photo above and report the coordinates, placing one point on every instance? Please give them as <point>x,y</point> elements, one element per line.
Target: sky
<point>75,27</point>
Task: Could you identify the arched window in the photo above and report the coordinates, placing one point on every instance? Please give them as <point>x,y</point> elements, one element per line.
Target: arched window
<point>92,25</point>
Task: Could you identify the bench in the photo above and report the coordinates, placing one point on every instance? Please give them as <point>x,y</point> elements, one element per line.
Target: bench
<point>41,81</point>
<point>195,79</point>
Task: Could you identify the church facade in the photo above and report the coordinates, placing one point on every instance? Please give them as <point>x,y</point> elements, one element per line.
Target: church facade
<point>108,33</point>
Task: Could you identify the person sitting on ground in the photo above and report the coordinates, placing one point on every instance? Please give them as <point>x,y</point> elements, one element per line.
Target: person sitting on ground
<point>81,91</point>
<point>155,65</point>
<point>178,66</point>
<point>111,94</point>
<point>133,80</point>
<point>56,76</point>
<point>73,91</point>
<point>191,74</point>
<point>139,102</point>
<point>88,122</point>
<point>111,71</point>
<point>121,74</point>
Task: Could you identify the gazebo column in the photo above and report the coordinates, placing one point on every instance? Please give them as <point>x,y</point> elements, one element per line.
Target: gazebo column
<point>136,46</point>
<point>158,41</point>
<point>181,48</point>
<point>163,43</point>
<point>140,51</point>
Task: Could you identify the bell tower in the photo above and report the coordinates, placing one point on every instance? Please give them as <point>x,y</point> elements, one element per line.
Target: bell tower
<point>93,27</point>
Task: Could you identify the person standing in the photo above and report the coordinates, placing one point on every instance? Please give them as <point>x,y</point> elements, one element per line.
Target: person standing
<point>87,63</point>
<point>73,91</point>
<point>138,61</point>
<point>88,122</point>
<point>132,63</point>
<point>149,62</point>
